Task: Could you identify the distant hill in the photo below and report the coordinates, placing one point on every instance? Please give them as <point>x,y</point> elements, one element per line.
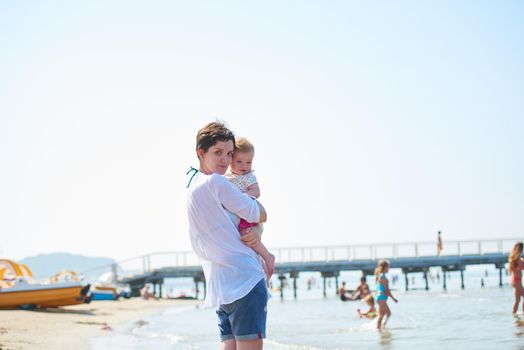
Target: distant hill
<point>46,265</point>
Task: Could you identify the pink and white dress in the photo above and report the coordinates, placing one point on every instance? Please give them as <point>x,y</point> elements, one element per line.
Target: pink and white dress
<point>243,182</point>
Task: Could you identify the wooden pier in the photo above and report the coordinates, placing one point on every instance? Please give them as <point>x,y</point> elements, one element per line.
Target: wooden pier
<point>329,261</point>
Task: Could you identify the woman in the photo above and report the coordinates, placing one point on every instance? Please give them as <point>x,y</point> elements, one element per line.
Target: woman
<point>515,266</point>
<point>383,292</point>
<point>235,278</point>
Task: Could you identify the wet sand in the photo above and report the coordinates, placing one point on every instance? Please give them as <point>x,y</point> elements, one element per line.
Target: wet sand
<point>71,327</point>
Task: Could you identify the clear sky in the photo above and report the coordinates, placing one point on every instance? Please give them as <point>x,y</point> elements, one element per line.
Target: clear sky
<point>379,121</point>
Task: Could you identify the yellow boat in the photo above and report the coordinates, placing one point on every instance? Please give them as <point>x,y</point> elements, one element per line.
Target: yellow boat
<point>19,289</point>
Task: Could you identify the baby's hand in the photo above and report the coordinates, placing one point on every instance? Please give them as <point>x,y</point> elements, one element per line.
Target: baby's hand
<point>250,236</point>
<point>253,191</point>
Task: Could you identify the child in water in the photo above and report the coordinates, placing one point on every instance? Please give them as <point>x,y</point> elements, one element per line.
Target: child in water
<point>383,293</point>
<point>372,312</point>
<point>241,175</point>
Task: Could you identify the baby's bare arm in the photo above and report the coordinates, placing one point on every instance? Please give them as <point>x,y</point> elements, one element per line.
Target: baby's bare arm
<point>253,190</point>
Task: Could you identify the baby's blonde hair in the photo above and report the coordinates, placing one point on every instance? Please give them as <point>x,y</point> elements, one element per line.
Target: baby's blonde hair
<point>243,145</point>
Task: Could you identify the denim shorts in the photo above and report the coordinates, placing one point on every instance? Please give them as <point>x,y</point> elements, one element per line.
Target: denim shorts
<point>245,318</point>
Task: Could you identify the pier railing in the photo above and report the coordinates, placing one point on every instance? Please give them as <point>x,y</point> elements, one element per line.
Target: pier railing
<point>150,262</point>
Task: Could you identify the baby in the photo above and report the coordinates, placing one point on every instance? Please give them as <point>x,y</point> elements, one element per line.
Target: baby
<point>241,175</point>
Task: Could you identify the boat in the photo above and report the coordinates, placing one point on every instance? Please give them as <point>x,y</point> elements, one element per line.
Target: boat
<point>99,293</point>
<point>106,288</point>
<point>19,289</point>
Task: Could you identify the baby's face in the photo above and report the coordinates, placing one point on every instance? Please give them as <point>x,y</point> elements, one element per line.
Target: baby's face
<point>242,162</point>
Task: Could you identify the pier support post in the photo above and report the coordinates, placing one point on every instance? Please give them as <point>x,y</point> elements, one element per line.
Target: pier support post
<point>197,279</point>
<point>444,273</point>
<point>426,279</point>
<point>160,290</point>
<point>326,274</point>
<point>196,289</point>
<point>462,279</point>
<point>407,281</point>
<point>500,267</point>
<point>281,278</point>
<point>294,275</point>
<point>336,285</point>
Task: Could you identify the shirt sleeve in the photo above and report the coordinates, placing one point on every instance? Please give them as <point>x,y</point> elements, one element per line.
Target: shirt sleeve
<point>234,200</point>
<point>250,179</point>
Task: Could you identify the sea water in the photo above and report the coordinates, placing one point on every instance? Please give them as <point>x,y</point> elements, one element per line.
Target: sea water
<point>475,317</point>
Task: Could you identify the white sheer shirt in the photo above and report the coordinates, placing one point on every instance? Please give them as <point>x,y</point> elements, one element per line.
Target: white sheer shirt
<point>214,208</point>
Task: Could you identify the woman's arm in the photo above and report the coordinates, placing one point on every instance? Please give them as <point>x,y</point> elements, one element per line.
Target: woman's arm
<point>235,201</point>
<point>388,292</point>
<point>263,213</point>
<point>252,236</point>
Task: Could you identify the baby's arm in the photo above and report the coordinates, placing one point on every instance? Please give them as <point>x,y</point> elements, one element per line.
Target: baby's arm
<point>253,190</point>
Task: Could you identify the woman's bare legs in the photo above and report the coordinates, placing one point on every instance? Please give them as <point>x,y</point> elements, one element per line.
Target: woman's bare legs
<point>518,295</point>
<point>232,344</point>
<point>229,344</point>
<point>383,311</point>
<point>255,344</point>
<point>388,315</point>
<point>522,296</point>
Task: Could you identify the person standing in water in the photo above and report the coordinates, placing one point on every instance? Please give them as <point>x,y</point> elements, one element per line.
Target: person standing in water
<point>439,244</point>
<point>235,279</point>
<point>515,267</point>
<point>383,292</point>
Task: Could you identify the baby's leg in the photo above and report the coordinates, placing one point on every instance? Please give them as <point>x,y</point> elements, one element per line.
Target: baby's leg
<point>260,249</point>
<point>269,259</point>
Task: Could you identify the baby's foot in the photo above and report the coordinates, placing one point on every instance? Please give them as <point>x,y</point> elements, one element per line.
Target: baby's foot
<point>270,266</point>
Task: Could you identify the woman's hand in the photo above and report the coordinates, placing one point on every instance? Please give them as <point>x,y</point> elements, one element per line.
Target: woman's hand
<point>250,236</point>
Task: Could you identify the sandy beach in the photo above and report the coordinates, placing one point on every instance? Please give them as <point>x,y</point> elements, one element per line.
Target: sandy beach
<point>71,327</point>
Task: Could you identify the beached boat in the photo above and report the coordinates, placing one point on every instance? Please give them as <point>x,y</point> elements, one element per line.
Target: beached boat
<point>19,289</point>
<point>104,293</point>
<point>106,288</point>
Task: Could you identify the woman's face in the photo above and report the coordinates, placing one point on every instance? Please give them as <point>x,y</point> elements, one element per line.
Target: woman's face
<point>217,158</point>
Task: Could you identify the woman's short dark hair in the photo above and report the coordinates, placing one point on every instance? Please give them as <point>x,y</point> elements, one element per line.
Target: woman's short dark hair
<point>210,134</point>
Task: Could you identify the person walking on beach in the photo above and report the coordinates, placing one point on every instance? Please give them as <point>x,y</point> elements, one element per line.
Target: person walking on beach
<point>515,267</point>
<point>241,175</point>
<point>439,244</point>
<point>383,292</point>
<point>235,279</point>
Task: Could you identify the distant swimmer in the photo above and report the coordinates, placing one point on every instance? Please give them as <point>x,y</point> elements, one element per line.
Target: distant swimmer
<point>362,290</point>
<point>372,312</point>
<point>515,267</point>
<point>343,293</point>
<point>383,293</point>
